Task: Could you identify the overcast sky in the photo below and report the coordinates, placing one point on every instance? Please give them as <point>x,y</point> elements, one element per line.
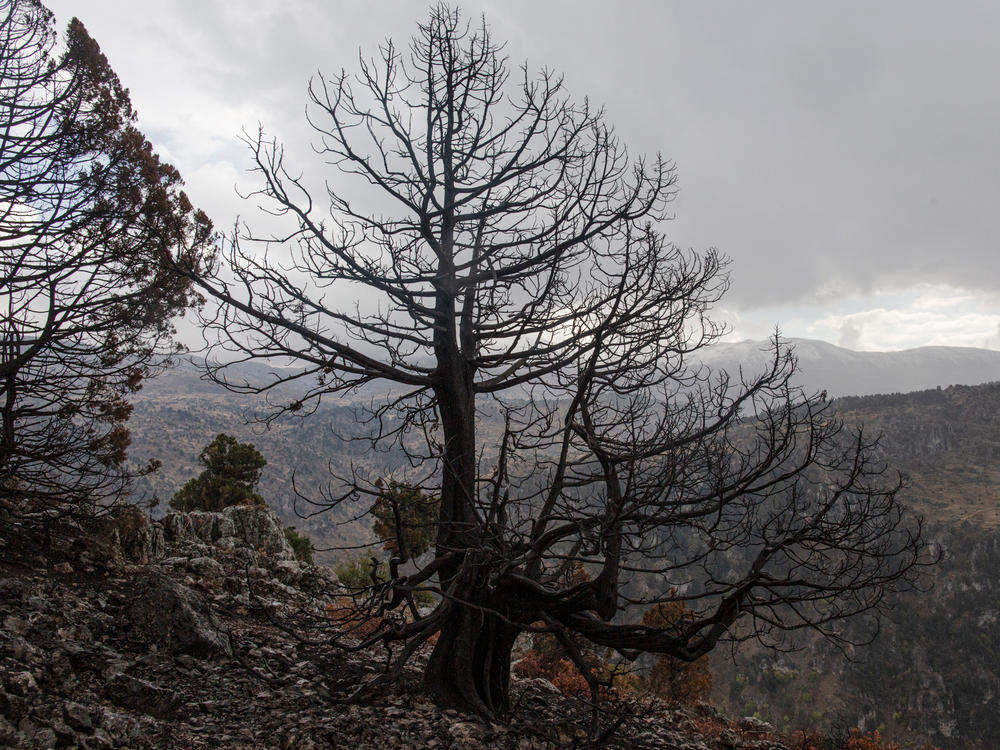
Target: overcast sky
<point>845,155</point>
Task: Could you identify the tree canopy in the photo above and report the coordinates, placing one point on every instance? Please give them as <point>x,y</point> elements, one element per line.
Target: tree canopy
<point>404,519</point>
<point>232,470</point>
<point>502,266</point>
<point>91,222</point>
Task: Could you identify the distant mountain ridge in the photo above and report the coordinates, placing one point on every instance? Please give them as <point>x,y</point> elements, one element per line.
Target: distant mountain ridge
<point>822,366</point>
<point>845,372</point>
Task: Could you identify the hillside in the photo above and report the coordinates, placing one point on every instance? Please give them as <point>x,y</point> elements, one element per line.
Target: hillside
<point>915,681</point>
<point>933,674</point>
<point>946,443</point>
<point>131,634</point>
<point>178,413</point>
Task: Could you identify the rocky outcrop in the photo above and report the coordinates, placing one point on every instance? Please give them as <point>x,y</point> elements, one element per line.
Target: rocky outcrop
<point>124,535</point>
<point>138,538</point>
<point>187,646</point>
<point>250,526</point>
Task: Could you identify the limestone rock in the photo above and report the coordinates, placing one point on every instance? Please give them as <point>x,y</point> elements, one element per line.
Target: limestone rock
<point>172,616</point>
<point>260,529</point>
<point>753,724</point>
<point>139,539</point>
<point>118,660</point>
<point>205,527</point>
<point>78,716</point>
<point>22,683</point>
<point>131,692</point>
<point>288,571</point>
<point>466,734</point>
<point>207,569</point>
<point>253,526</point>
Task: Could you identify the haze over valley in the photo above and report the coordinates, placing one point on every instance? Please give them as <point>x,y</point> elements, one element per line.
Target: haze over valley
<point>945,441</point>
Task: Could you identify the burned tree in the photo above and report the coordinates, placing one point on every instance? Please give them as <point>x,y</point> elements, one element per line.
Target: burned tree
<point>511,263</point>
<point>89,220</point>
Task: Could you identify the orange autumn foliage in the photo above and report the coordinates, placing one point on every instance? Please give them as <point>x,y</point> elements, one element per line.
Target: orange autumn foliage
<point>808,740</point>
<point>868,741</point>
<point>858,740</point>
<point>673,680</point>
<point>569,680</point>
<point>547,660</point>
<point>346,616</point>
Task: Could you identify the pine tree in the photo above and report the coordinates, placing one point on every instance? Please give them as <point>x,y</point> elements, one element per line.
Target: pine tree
<point>232,470</point>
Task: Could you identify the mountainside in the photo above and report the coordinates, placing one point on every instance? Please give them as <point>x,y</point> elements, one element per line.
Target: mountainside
<point>175,634</point>
<point>946,443</point>
<point>932,675</point>
<point>843,372</point>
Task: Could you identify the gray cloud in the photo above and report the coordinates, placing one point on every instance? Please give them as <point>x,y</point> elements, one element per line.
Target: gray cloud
<point>850,335</point>
<point>830,149</point>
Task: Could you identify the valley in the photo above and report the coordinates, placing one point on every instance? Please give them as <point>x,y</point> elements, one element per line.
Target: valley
<point>932,675</point>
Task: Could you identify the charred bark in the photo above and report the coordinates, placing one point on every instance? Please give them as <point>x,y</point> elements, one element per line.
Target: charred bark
<point>469,668</point>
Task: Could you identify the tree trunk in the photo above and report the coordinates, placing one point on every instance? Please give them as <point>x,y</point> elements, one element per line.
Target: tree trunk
<point>459,526</point>
<point>469,669</point>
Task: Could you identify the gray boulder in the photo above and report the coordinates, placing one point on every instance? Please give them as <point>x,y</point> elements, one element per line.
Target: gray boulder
<point>131,692</point>
<point>176,618</point>
<point>198,526</point>
<point>260,529</point>
<point>207,569</point>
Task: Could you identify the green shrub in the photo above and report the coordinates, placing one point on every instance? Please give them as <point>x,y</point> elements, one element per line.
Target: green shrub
<point>405,519</point>
<point>232,470</point>
<point>300,544</point>
<point>356,573</point>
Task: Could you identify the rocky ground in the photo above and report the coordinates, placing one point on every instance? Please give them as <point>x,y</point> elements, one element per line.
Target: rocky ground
<point>127,633</point>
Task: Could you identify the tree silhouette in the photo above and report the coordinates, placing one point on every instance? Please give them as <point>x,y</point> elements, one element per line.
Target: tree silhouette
<point>90,223</point>
<point>503,264</point>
